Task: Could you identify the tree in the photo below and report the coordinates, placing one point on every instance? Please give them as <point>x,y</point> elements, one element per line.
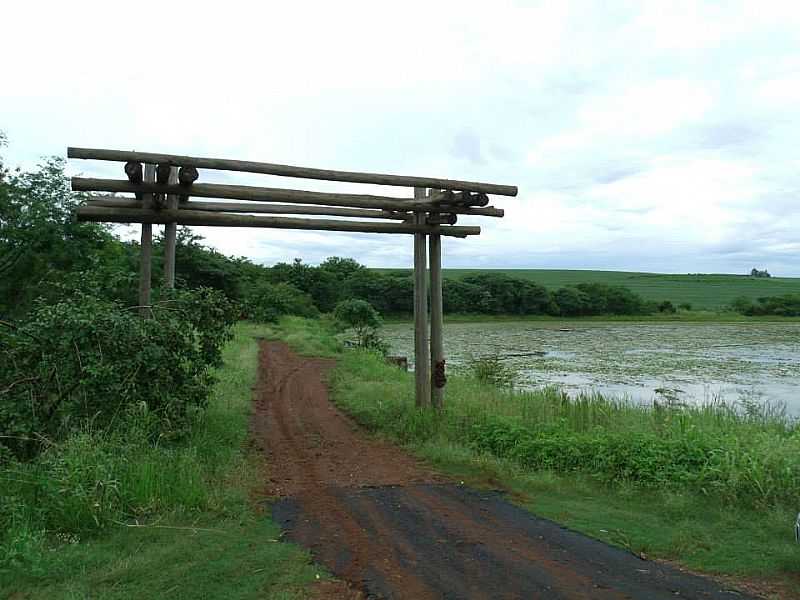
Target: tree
<point>756,273</point>
<point>464,297</point>
<point>514,296</point>
<point>267,302</point>
<point>322,285</point>
<point>571,302</point>
<point>360,316</point>
<point>40,242</point>
<point>666,307</point>
<point>341,268</point>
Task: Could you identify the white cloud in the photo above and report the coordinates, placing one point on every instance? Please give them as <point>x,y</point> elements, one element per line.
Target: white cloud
<point>642,135</point>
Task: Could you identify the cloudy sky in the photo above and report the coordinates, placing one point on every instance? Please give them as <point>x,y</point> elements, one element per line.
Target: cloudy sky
<point>648,136</point>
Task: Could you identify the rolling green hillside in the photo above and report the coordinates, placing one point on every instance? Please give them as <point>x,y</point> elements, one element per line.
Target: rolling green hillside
<point>702,291</point>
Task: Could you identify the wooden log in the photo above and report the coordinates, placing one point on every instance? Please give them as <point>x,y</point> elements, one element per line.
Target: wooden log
<point>134,172</point>
<point>458,209</point>
<point>422,382</point>
<point>162,178</point>
<point>470,199</point>
<point>202,218</point>
<point>438,376</point>
<point>256,194</point>
<point>480,200</point>
<point>244,192</point>
<point>263,208</point>
<point>163,171</point>
<point>486,211</point>
<point>439,219</point>
<point>296,209</point>
<point>187,175</point>
<point>146,249</point>
<point>170,235</point>
<point>441,197</point>
<point>292,171</point>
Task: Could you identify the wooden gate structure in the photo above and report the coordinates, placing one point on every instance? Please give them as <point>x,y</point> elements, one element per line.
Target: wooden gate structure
<point>163,184</point>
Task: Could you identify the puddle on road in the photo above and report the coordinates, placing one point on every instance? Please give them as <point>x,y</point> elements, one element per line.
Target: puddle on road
<point>643,362</point>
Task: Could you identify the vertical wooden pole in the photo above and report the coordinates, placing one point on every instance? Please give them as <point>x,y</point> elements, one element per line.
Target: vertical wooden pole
<point>421,357</point>
<point>170,235</point>
<point>145,264</point>
<point>438,378</point>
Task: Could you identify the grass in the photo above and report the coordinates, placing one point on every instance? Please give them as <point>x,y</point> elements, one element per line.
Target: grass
<point>714,488</point>
<point>703,291</point>
<point>102,516</point>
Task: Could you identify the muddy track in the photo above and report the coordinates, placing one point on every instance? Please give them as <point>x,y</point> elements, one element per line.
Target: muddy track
<point>389,527</point>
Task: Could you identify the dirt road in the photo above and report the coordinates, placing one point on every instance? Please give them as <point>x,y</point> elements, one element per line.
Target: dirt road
<point>388,527</point>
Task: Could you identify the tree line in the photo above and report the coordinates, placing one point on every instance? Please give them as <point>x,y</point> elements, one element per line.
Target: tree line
<point>43,250</point>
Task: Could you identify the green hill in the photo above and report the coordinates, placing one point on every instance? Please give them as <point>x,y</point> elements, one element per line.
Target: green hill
<point>700,290</point>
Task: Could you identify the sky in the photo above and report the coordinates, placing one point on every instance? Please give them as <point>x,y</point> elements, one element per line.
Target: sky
<point>643,136</point>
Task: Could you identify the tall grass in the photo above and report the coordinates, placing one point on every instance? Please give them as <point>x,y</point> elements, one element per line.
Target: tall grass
<point>103,478</point>
<point>749,457</point>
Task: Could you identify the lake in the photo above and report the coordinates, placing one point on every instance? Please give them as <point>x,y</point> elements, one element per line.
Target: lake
<point>643,362</point>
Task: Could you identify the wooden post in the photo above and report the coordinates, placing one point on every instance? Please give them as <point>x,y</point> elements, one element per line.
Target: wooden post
<point>421,357</point>
<point>438,378</point>
<point>170,235</point>
<point>145,264</point>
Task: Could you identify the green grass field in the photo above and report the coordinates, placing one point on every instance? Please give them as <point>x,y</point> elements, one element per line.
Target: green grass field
<point>706,292</point>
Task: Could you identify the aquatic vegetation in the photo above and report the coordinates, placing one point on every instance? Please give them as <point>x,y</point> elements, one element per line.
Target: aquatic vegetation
<point>643,362</point>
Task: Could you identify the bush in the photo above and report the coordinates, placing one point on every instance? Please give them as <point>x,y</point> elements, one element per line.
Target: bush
<point>572,302</point>
<point>492,370</point>
<point>89,360</point>
<point>666,307</point>
<point>266,302</point>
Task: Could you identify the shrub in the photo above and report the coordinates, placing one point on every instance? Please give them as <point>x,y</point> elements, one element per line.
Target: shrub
<point>266,302</point>
<point>492,370</point>
<point>666,307</point>
<point>89,360</point>
<point>363,318</point>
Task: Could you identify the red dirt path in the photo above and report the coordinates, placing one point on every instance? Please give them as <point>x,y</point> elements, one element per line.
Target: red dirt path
<point>389,527</point>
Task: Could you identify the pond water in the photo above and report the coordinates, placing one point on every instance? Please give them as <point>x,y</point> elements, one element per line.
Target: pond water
<point>678,362</point>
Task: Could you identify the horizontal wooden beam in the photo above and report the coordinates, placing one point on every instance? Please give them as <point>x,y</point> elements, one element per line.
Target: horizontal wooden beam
<point>299,209</point>
<point>290,171</point>
<point>245,192</point>
<point>483,211</point>
<point>262,208</point>
<point>201,218</point>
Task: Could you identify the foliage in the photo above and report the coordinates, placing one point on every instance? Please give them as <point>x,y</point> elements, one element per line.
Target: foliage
<point>170,513</point>
<point>787,305</point>
<point>39,239</point>
<point>265,302</point>
<point>320,284</point>
<point>745,458</point>
<point>389,294</point>
<point>513,296</point>
<point>492,370</point>
<point>465,298</point>
<point>360,316</point>
<point>666,307</point>
<point>87,359</point>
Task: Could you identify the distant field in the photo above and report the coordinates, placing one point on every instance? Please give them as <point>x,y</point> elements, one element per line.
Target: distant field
<point>702,291</point>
